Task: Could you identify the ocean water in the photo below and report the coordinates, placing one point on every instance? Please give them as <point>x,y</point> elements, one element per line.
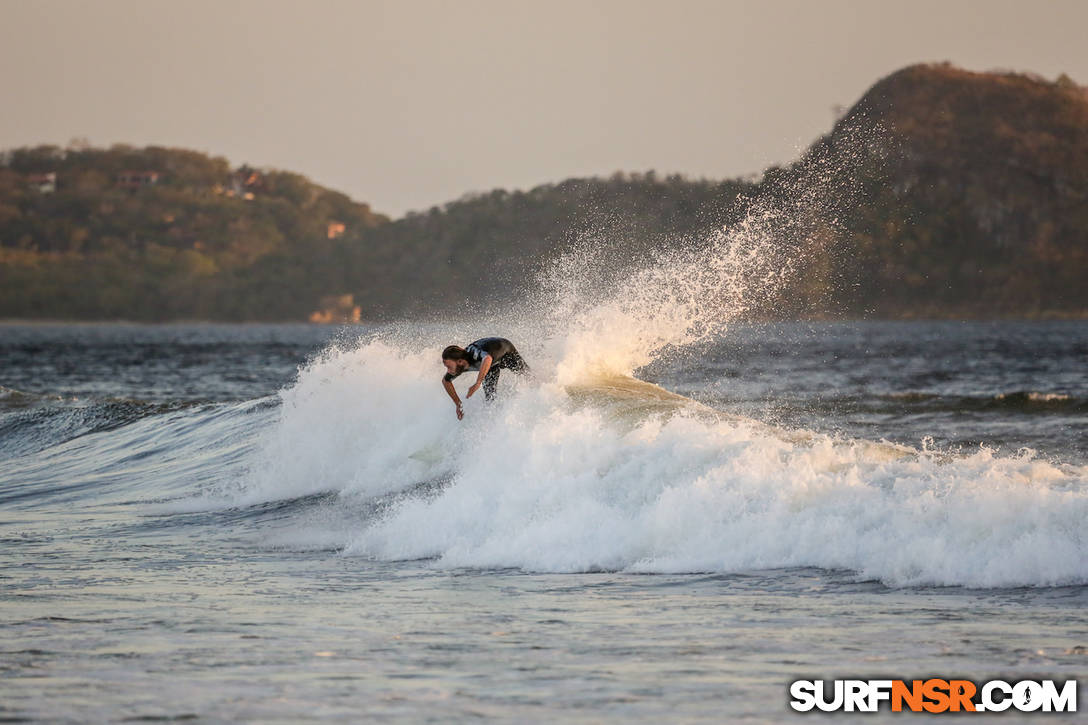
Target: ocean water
<point>676,515</point>
<point>670,521</point>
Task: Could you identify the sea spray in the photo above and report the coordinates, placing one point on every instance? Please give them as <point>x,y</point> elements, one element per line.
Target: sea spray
<point>685,296</point>
<point>606,314</point>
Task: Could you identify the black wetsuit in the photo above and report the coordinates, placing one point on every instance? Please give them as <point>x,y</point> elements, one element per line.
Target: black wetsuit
<point>504,356</point>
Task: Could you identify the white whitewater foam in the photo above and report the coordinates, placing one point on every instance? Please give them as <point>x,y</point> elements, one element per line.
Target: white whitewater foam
<point>547,488</point>
<point>356,419</point>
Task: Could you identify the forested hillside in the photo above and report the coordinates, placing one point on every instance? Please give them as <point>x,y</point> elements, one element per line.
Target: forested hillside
<point>941,193</point>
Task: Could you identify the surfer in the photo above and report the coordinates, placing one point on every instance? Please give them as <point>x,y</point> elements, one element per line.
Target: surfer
<point>489,355</point>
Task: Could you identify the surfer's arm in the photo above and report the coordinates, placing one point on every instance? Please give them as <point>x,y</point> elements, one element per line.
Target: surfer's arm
<point>453,396</point>
<point>485,365</point>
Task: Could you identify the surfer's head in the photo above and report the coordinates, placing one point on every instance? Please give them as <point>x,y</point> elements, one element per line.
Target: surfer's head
<point>455,359</point>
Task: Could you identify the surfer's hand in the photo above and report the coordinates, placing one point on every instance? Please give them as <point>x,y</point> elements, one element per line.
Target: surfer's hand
<point>473,389</point>
<point>460,413</point>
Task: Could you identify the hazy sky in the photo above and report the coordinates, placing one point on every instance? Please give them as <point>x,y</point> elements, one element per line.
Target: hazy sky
<point>408,104</point>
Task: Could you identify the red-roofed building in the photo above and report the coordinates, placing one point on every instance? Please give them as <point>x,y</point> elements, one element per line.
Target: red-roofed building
<point>43,183</point>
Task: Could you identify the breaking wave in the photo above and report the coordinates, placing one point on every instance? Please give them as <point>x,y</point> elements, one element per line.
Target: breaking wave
<point>586,468</point>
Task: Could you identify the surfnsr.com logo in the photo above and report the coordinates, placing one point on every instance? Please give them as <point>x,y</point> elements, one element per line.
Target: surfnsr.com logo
<point>933,695</point>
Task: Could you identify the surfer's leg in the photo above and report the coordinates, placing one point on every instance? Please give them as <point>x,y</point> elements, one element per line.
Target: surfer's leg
<point>491,383</point>
<point>516,362</point>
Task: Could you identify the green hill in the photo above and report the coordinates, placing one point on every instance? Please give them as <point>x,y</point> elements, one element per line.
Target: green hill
<point>941,193</point>
<point>158,234</point>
